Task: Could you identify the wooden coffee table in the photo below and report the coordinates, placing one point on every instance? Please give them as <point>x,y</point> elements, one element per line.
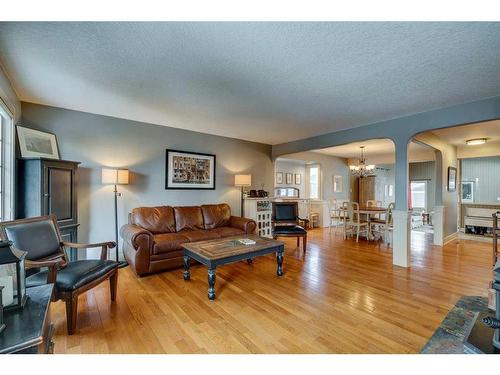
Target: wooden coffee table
<point>213,253</point>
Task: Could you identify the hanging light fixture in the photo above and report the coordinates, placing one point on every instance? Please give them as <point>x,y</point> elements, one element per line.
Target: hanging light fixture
<point>362,169</point>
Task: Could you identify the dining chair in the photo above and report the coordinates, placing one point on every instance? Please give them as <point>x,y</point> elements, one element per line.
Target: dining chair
<point>312,216</point>
<point>336,216</point>
<point>383,226</point>
<point>353,222</point>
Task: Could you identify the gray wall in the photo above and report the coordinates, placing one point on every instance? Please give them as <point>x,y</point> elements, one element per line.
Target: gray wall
<point>293,167</point>
<point>425,171</point>
<point>485,172</point>
<point>98,141</point>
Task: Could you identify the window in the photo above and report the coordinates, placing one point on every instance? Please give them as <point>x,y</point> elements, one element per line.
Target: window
<point>314,182</point>
<point>6,164</point>
<point>418,194</point>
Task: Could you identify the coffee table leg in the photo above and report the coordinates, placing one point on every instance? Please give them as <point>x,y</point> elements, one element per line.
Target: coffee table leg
<point>211,284</point>
<point>279,260</point>
<point>186,273</point>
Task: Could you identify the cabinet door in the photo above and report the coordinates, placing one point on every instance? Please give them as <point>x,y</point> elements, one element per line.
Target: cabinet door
<point>59,192</point>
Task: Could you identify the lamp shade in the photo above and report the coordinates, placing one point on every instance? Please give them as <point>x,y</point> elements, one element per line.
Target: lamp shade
<point>111,176</point>
<point>242,180</point>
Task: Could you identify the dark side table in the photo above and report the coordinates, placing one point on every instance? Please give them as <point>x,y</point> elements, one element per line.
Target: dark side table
<point>29,331</point>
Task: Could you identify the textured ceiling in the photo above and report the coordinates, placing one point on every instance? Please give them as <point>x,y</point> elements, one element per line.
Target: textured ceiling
<point>266,82</point>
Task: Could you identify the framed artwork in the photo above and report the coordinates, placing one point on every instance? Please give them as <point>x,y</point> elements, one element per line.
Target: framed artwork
<point>468,192</point>
<point>337,184</point>
<point>279,178</point>
<point>298,178</point>
<point>452,178</point>
<point>37,144</point>
<point>289,178</point>
<point>187,170</point>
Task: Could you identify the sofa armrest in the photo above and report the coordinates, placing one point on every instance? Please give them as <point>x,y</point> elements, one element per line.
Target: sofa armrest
<point>136,236</point>
<point>247,225</point>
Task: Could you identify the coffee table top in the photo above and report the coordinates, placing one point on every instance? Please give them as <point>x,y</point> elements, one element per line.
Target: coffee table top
<point>227,247</point>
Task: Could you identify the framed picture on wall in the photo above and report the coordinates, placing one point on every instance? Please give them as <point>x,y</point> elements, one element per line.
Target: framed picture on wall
<point>298,178</point>
<point>452,178</point>
<point>468,192</point>
<point>186,170</point>
<point>289,178</point>
<point>36,144</point>
<point>279,178</point>
<point>337,184</point>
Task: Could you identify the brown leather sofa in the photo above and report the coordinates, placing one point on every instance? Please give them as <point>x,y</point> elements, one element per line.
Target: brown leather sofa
<point>152,240</point>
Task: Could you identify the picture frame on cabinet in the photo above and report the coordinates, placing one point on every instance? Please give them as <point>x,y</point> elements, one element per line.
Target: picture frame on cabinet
<point>36,144</point>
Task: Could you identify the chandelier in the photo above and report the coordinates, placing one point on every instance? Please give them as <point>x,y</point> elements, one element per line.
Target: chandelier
<point>362,169</point>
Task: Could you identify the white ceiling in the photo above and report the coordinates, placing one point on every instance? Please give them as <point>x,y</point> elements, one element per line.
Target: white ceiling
<point>378,151</point>
<point>266,82</point>
<point>458,135</point>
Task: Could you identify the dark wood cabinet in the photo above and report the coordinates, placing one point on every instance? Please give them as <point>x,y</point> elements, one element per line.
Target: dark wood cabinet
<point>47,186</point>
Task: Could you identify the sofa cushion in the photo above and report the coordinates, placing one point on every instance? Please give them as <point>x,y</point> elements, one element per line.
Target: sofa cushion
<point>227,231</point>
<point>216,215</point>
<point>154,219</point>
<point>188,218</point>
<point>168,242</point>
<point>201,235</point>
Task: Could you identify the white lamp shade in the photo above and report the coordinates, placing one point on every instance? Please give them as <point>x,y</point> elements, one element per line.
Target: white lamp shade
<point>243,180</point>
<point>112,176</point>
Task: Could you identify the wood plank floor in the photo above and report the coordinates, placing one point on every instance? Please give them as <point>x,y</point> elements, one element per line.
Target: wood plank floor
<point>341,297</point>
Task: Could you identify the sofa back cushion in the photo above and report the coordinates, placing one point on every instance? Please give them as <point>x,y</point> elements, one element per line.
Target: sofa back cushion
<point>216,215</point>
<point>188,218</point>
<point>155,219</point>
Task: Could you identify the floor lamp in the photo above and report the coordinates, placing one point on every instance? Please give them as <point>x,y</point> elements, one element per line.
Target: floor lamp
<point>116,177</point>
<point>242,180</point>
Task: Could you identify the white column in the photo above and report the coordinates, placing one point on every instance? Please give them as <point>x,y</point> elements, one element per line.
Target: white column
<point>438,224</point>
<point>401,238</point>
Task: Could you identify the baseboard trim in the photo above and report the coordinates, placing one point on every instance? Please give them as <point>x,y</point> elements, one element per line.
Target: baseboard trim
<point>450,237</point>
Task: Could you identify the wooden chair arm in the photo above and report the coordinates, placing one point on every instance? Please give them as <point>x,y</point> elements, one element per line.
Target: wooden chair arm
<point>108,244</point>
<point>103,245</point>
<point>52,265</point>
<point>28,264</point>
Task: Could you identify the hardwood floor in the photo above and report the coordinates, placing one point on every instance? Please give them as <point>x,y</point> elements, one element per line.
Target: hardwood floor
<point>341,297</point>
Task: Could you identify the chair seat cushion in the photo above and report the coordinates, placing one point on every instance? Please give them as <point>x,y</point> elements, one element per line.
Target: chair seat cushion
<point>228,231</point>
<point>167,242</point>
<point>200,235</point>
<point>75,274</point>
<point>289,229</point>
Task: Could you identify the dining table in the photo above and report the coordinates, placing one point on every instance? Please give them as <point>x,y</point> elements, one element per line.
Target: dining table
<point>369,211</point>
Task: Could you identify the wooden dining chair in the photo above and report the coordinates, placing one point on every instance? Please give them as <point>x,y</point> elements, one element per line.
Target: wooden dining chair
<point>353,222</point>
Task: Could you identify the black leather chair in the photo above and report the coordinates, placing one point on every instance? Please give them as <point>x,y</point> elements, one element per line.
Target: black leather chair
<point>285,220</point>
<point>47,262</point>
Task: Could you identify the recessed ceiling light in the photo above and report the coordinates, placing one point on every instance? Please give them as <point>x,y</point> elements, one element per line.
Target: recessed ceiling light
<point>475,142</point>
